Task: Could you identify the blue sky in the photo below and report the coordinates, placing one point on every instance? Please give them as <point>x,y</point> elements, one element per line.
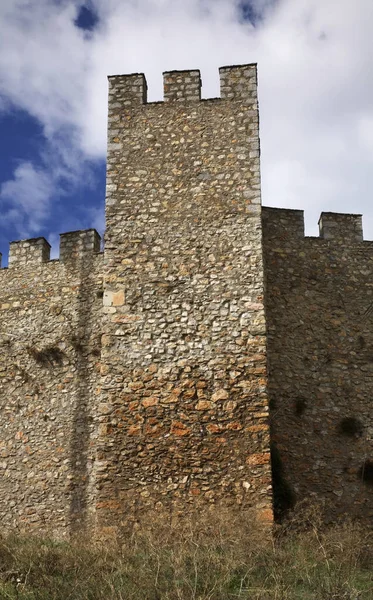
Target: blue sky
<point>315,92</point>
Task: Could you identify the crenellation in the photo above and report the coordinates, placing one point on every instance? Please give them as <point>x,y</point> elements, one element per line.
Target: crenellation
<point>345,228</point>
<point>126,91</point>
<point>25,252</point>
<point>239,83</point>
<point>182,86</point>
<point>283,222</point>
<point>77,244</point>
<point>73,244</point>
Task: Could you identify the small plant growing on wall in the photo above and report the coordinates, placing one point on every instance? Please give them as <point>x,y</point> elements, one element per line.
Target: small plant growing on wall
<point>350,427</point>
<point>77,343</point>
<point>50,356</point>
<point>22,373</point>
<point>300,406</point>
<point>96,349</point>
<point>361,342</point>
<point>366,471</point>
<point>272,404</point>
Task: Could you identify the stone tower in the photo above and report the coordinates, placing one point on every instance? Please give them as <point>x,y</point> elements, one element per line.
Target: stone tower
<point>183,418</point>
<point>134,381</point>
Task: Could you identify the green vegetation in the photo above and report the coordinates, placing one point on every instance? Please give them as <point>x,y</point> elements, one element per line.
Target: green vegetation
<point>205,559</point>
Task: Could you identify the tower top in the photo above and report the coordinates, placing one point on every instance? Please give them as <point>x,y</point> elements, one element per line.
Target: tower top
<point>237,83</point>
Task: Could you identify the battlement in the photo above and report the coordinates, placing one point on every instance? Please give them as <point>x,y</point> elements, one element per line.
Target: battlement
<point>333,227</point>
<point>283,221</point>
<point>76,244</point>
<point>34,250</point>
<point>339,226</point>
<point>182,86</point>
<point>73,245</point>
<point>128,90</point>
<point>237,83</point>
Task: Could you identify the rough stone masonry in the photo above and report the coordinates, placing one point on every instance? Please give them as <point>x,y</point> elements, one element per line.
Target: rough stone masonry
<point>184,413</point>
<point>134,381</point>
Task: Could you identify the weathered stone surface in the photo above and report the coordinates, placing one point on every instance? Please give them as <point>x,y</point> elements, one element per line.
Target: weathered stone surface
<point>183,245</point>
<point>136,381</point>
<point>49,370</point>
<point>319,300</point>
<point>166,407</point>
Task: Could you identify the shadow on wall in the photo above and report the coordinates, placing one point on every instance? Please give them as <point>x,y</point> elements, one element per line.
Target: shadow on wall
<point>81,340</point>
<point>283,495</point>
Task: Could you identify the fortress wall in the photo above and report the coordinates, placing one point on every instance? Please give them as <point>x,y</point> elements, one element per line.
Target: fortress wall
<point>49,356</point>
<point>135,381</point>
<point>184,417</point>
<point>319,307</point>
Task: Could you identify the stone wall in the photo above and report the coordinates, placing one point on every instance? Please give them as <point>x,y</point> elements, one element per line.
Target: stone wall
<point>319,307</point>
<point>135,381</point>
<point>49,365</point>
<point>184,412</point>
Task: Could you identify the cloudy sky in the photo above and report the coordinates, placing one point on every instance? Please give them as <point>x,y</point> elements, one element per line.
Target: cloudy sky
<point>315,61</point>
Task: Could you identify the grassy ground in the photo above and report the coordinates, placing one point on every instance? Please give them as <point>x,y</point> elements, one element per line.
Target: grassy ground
<point>215,560</point>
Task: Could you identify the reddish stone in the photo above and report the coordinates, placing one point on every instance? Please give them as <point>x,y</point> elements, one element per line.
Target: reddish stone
<point>265,515</point>
<point>178,428</point>
<point>118,298</point>
<point>256,428</point>
<point>261,458</point>
<point>134,430</point>
<point>234,426</point>
<point>109,504</point>
<point>219,395</point>
<point>213,428</point>
<point>204,405</point>
<point>151,401</point>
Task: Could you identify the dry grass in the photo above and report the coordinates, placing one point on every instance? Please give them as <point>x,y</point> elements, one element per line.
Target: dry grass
<point>205,559</point>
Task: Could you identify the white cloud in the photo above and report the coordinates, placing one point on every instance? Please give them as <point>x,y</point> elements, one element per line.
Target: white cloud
<point>42,60</point>
<point>27,181</point>
<point>315,81</point>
